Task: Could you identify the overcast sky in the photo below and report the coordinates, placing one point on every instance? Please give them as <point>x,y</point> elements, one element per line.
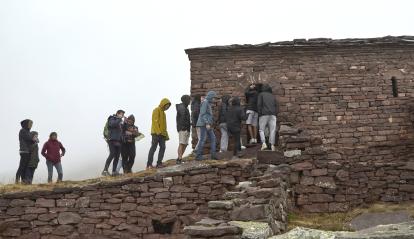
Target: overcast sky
<point>68,65</point>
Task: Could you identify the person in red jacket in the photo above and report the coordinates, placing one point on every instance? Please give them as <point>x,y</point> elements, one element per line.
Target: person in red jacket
<point>53,150</point>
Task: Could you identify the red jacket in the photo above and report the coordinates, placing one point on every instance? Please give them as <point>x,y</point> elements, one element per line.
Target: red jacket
<point>51,151</point>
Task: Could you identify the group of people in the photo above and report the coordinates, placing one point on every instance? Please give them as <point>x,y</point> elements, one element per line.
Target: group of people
<point>121,133</point>
<point>52,150</point>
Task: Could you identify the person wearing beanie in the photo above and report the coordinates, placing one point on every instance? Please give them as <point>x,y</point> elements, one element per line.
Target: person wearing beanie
<point>113,136</point>
<point>34,158</point>
<point>25,141</point>
<point>183,125</point>
<point>128,150</point>
<point>53,151</point>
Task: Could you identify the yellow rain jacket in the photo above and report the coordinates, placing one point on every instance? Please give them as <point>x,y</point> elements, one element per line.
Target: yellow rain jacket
<point>159,120</point>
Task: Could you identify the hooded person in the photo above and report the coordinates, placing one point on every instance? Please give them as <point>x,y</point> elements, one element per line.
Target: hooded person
<point>224,140</point>
<point>158,132</point>
<point>34,158</point>
<point>53,151</point>
<point>128,149</point>
<point>267,109</point>
<point>183,121</point>
<point>251,94</point>
<point>114,139</point>
<point>205,122</point>
<point>234,117</point>
<point>195,113</point>
<point>25,142</point>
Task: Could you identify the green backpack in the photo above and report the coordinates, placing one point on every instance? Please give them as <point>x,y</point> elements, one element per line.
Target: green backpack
<point>106,131</point>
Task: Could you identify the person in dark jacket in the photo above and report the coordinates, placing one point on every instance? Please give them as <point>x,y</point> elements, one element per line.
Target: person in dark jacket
<point>34,158</point>
<point>267,109</point>
<point>114,141</point>
<point>183,125</point>
<point>128,149</point>
<point>224,140</point>
<point>195,112</point>
<point>53,151</point>
<point>205,122</point>
<point>251,94</point>
<point>25,141</point>
<point>234,117</point>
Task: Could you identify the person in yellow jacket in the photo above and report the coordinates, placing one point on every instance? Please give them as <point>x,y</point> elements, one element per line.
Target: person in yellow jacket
<point>158,132</point>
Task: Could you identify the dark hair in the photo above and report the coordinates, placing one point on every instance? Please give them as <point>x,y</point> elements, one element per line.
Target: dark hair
<point>52,134</point>
<point>120,111</point>
<point>197,98</point>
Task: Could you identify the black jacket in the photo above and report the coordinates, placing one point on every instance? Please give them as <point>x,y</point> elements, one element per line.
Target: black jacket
<point>266,102</point>
<point>251,98</point>
<point>115,128</point>
<point>195,110</point>
<point>25,139</point>
<point>223,108</point>
<point>235,115</point>
<point>183,117</point>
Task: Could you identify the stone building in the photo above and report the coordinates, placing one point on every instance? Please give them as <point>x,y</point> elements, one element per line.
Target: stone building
<point>355,94</point>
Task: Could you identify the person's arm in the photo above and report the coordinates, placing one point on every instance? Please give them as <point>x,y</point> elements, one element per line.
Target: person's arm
<point>156,122</point>
<point>44,150</point>
<point>26,136</point>
<point>62,148</point>
<point>243,115</point>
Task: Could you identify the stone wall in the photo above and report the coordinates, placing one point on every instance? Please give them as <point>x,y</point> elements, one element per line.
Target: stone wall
<point>338,90</point>
<point>143,207</point>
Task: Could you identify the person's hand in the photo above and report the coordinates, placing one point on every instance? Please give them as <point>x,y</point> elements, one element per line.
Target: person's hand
<point>61,155</point>
<point>208,127</point>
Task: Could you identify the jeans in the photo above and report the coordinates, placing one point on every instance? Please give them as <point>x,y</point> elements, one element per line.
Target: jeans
<point>59,170</point>
<point>204,132</point>
<point>20,174</point>
<point>237,142</point>
<point>114,153</point>
<point>156,140</point>
<point>268,121</point>
<point>224,141</point>
<point>198,131</point>
<point>29,175</point>
<point>128,152</point>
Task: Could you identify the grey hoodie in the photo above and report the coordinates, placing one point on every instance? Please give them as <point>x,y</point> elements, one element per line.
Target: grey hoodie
<point>266,102</point>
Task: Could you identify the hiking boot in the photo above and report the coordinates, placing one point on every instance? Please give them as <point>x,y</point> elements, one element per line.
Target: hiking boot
<point>160,166</point>
<point>264,147</point>
<point>150,167</point>
<point>273,148</point>
<point>179,161</point>
<point>105,173</point>
<point>115,174</point>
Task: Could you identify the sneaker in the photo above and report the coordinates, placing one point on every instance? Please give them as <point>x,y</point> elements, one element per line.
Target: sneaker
<point>251,141</point>
<point>115,174</point>
<point>264,147</point>
<point>105,173</point>
<point>255,141</point>
<point>234,157</point>
<point>214,157</point>
<point>179,161</point>
<point>199,158</point>
<point>243,147</point>
<point>273,148</point>
<point>160,166</point>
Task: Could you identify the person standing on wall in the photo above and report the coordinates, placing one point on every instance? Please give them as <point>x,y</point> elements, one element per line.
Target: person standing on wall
<point>267,109</point>
<point>53,151</point>
<point>251,94</point>
<point>183,125</point>
<point>128,149</point>
<point>25,141</point>
<point>224,139</point>
<point>205,122</point>
<point>159,132</point>
<point>234,117</point>
<point>113,135</point>
<point>195,112</point>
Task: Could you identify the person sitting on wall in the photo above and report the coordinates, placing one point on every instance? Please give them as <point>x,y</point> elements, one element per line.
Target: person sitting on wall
<point>267,109</point>
<point>205,122</point>
<point>183,126</point>
<point>251,94</point>
<point>234,117</point>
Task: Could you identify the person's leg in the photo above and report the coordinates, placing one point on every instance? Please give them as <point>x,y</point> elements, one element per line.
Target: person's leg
<point>224,141</point>
<point>124,158</point>
<point>198,130</point>
<point>272,127</point>
<point>237,146</point>
<point>59,170</point>
<point>212,138</point>
<point>111,155</point>
<point>254,125</point>
<point>24,159</point>
<point>154,144</point>
<point>262,126</point>
<point>29,175</point>
<point>201,141</point>
<point>49,171</point>
<point>132,154</point>
<point>161,152</point>
<point>117,154</point>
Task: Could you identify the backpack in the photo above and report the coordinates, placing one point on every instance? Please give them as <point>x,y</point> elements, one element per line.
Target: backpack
<point>106,131</point>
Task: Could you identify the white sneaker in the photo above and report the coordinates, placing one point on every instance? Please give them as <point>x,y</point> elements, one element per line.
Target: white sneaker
<point>273,148</point>
<point>255,141</point>
<point>264,147</point>
<point>251,141</point>
<point>243,147</point>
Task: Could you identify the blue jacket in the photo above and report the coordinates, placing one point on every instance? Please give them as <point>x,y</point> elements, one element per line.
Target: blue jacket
<point>206,113</point>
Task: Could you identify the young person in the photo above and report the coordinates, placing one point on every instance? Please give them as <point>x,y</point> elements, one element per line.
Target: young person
<point>234,117</point>
<point>205,122</point>
<point>251,94</point>
<point>25,141</point>
<point>114,140</point>
<point>53,151</point>
<point>159,132</point>
<point>195,112</point>
<point>224,140</point>
<point>267,109</point>
<point>34,158</point>
<point>183,125</point>
<point>128,149</point>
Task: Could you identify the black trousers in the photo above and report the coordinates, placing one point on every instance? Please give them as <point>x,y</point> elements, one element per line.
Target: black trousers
<point>128,153</point>
<point>237,144</point>
<point>29,174</point>
<point>21,171</point>
<point>156,140</point>
<point>114,154</point>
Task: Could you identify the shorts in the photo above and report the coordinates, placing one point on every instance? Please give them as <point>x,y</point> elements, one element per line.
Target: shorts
<point>252,118</point>
<point>184,137</point>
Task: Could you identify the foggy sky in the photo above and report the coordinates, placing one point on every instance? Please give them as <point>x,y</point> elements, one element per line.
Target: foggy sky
<point>68,65</point>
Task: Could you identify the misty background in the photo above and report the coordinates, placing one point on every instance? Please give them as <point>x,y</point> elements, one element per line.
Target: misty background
<point>68,65</point>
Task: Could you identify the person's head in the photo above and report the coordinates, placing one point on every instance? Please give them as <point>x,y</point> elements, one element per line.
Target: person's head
<point>131,119</point>
<point>186,99</point>
<point>165,104</point>
<point>267,88</point>
<point>253,86</point>
<point>34,135</point>
<point>120,114</point>
<point>210,96</point>
<point>235,101</point>
<point>53,136</point>
<point>225,99</point>
<point>26,124</point>
<point>197,98</point>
